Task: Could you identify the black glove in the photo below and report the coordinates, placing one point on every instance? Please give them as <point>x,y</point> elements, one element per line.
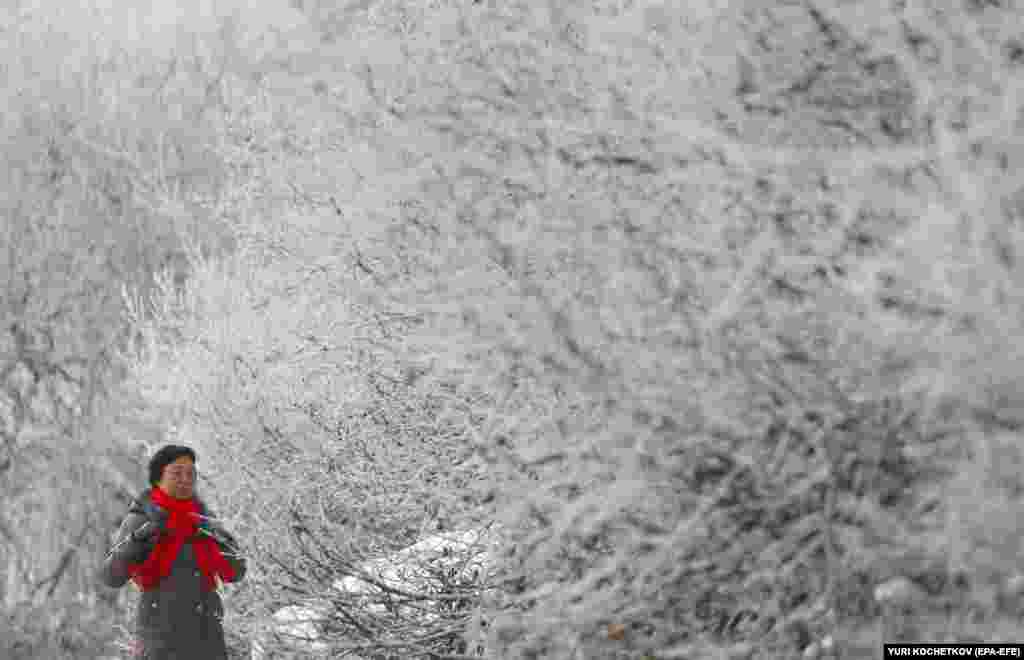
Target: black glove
<point>225,541</point>
<point>149,532</point>
<point>143,539</point>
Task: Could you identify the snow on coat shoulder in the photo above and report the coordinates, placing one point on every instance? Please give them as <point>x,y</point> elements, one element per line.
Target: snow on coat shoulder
<point>461,556</point>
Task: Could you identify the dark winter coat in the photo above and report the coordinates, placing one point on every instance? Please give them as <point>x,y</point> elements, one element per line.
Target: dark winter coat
<point>179,619</point>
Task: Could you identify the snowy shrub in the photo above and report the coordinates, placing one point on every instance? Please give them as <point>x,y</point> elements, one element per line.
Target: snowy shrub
<point>704,304</point>
<point>424,586</point>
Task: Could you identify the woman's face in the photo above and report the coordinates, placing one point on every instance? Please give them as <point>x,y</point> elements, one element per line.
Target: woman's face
<point>179,478</point>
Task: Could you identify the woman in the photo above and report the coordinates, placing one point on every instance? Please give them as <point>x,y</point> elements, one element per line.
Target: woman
<point>169,546</point>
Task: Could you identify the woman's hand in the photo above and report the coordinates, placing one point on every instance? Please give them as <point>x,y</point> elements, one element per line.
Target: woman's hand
<point>144,538</point>
<point>151,530</point>
<point>207,527</point>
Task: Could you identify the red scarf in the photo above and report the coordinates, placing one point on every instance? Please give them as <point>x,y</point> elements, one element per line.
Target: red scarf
<point>182,519</point>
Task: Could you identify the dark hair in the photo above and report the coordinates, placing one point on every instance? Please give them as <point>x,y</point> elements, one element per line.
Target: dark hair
<point>167,454</point>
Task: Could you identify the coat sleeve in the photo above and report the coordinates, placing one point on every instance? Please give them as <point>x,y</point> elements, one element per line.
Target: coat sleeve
<point>233,553</point>
<point>114,569</point>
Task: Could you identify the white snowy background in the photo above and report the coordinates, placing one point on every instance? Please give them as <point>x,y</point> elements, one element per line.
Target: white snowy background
<point>701,319</point>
